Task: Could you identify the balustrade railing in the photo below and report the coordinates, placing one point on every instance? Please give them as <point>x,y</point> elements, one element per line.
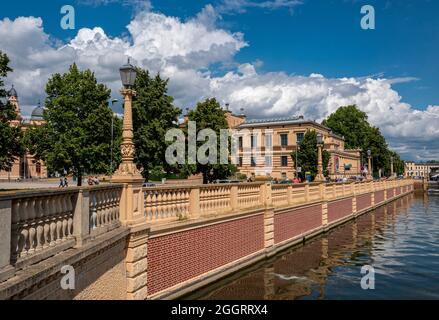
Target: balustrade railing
<point>166,203</point>
<point>46,222</point>
<point>40,223</point>
<point>104,209</point>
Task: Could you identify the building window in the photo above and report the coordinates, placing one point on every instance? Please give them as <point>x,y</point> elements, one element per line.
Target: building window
<point>284,140</point>
<point>254,141</point>
<point>253,161</point>
<point>240,161</point>
<point>300,137</point>
<point>284,161</point>
<point>284,175</point>
<point>240,144</point>
<point>268,141</point>
<point>268,161</point>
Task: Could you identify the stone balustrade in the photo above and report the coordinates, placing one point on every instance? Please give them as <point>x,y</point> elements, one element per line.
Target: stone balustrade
<point>35,225</point>
<point>170,204</point>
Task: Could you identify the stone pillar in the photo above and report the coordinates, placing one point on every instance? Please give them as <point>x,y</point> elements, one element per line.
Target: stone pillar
<point>234,198</point>
<point>324,214</point>
<point>319,176</point>
<point>6,270</point>
<point>194,203</point>
<point>307,192</point>
<point>290,194</point>
<point>127,173</point>
<point>81,218</point>
<point>137,263</point>
<point>268,219</point>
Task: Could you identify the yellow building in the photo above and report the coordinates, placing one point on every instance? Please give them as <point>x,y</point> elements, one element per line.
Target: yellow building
<point>266,147</point>
<point>27,166</point>
<point>413,169</point>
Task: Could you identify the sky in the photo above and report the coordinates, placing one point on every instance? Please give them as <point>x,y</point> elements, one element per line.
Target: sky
<point>274,58</point>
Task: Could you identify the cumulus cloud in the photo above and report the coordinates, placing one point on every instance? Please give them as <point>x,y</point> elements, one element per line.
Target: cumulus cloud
<point>188,51</point>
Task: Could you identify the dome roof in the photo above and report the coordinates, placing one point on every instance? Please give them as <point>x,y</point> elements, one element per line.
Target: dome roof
<point>37,113</point>
<point>12,92</point>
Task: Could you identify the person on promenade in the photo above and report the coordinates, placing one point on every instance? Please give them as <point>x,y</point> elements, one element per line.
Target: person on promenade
<point>61,183</point>
<point>66,182</point>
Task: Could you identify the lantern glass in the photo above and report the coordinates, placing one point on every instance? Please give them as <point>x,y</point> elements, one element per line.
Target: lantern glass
<point>128,75</point>
<point>369,153</point>
<point>319,138</point>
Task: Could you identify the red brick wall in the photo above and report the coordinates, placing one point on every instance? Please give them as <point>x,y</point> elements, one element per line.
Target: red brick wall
<point>181,256</point>
<point>339,209</point>
<point>397,191</point>
<point>379,196</point>
<point>290,224</point>
<point>389,194</point>
<point>363,201</point>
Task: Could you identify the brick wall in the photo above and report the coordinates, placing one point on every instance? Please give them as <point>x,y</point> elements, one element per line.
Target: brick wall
<point>290,224</point>
<point>397,191</point>
<point>181,256</point>
<point>363,201</point>
<point>339,209</point>
<point>379,196</point>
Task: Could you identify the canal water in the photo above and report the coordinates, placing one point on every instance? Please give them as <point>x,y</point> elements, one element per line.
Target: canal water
<point>400,241</point>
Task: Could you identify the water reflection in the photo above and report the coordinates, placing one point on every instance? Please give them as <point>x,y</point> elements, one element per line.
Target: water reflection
<point>400,240</point>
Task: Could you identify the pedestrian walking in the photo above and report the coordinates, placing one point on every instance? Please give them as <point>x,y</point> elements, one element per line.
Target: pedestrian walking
<point>61,183</point>
<point>66,182</point>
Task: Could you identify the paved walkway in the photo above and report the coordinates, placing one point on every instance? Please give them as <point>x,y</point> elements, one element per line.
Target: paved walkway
<point>31,185</point>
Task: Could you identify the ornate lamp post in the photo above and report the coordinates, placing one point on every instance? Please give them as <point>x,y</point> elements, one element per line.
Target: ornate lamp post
<point>319,177</point>
<point>391,167</point>
<point>369,165</point>
<point>127,171</point>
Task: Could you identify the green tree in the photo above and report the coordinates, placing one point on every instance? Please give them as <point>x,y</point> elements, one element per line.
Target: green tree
<point>209,114</point>
<point>153,114</point>
<point>77,135</point>
<point>10,136</point>
<point>307,157</point>
<point>352,123</point>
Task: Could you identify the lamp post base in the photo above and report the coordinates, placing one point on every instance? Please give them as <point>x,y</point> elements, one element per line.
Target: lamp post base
<point>320,178</point>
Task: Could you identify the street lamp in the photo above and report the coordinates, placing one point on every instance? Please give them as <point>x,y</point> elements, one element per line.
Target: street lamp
<point>319,177</point>
<point>391,167</point>
<point>127,171</point>
<point>369,165</point>
<point>297,162</point>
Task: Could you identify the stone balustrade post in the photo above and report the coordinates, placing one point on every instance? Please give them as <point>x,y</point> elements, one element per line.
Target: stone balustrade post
<point>234,198</point>
<point>81,218</point>
<point>194,203</point>
<point>290,194</point>
<point>307,192</point>
<point>6,270</point>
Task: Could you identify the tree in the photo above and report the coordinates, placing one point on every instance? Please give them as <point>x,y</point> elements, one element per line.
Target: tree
<point>10,136</point>
<point>209,114</point>
<point>77,135</point>
<point>307,157</point>
<point>352,123</point>
<point>153,114</point>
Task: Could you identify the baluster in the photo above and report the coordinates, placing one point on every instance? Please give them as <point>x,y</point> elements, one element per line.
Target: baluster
<point>40,223</point>
<point>24,246</point>
<point>15,231</point>
<point>58,217</point>
<point>46,222</point>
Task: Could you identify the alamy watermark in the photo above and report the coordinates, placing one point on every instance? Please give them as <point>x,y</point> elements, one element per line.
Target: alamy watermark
<point>368,20</point>
<point>68,20</point>
<point>246,147</point>
<point>68,280</point>
<point>368,280</point>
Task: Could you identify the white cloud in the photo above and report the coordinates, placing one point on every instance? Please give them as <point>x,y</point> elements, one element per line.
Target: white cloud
<point>185,51</point>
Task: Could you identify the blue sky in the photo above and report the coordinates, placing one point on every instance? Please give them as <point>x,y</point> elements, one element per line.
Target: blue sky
<point>273,57</point>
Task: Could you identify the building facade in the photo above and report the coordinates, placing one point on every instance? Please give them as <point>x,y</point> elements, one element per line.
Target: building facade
<point>27,166</point>
<point>413,169</point>
<point>267,147</point>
